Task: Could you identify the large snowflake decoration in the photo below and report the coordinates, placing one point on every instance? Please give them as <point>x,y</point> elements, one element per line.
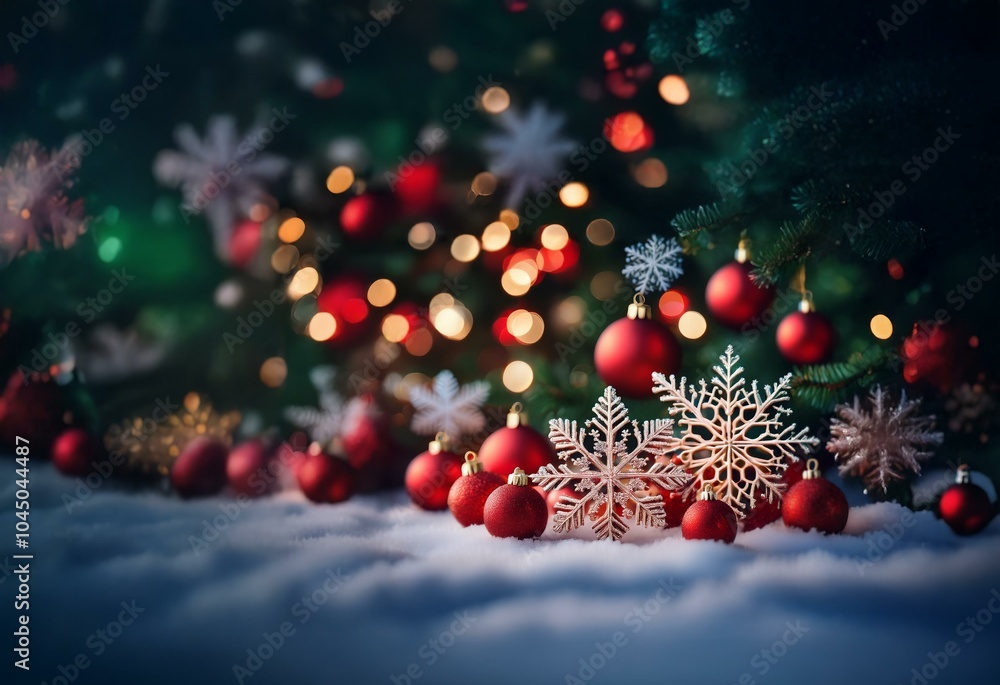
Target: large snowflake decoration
<point>611,476</point>
<point>653,265</point>
<point>34,210</point>
<point>733,438</point>
<point>529,152</point>
<point>202,166</point>
<point>883,441</point>
<point>325,423</point>
<point>447,407</point>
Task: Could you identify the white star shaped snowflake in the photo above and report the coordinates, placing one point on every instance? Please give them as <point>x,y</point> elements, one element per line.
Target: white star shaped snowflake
<point>530,151</point>
<point>324,424</point>
<point>447,408</point>
<point>654,263</point>
<point>881,442</point>
<point>610,475</point>
<point>732,437</point>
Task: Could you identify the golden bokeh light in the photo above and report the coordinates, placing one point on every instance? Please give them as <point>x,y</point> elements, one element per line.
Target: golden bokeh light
<point>600,232</point>
<point>340,179</point>
<point>443,59</point>
<point>484,183</point>
<point>495,99</point>
<point>496,236</point>
<point>453,322</point>
<point>533,332</point>
<point>674,89</point>
<point>650,173</point>
<point>303,282</point>
<point>322,326</point>
<point>515,282</point>
<point>382,292</point>
<point>465,247</point>
<point>422,235</point>
<point>604,285</point>
<point>554,237</point>
<point>519,322</point>
<point>574,194</point>
<point>291,229</point>
<point>273,372</point>
<point>395,328</point>
<point>881,327</point>
<point>510,217</point>
<point>692,325</point>
<point>284,258</point>
<point>570,311</point>
<point>420,342</point>
<point>518,376</point>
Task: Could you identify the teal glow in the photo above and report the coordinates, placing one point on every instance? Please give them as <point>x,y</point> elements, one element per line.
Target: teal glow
<point>109,249</point>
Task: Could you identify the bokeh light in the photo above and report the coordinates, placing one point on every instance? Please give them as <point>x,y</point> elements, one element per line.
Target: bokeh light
<point>303,282</point>
<point>600,232</point>
<point>496,236</point>
<point>674,89</point>
<point>574,194</point>
<point>554,237</point>
<point>291,229</point>
<point>881,327</point>
<point>381,293</point>
<point>650,173</point>
<point>422,235</point>
<point>495,99</point>
<point>340,179</point>
<point>322,326</point>
<point>395,328</point>
<point>518,376</point>
<point>627,132</point>
<point>672,305</point>
<point>465,248</point>
<point>692,325</point>
<point>484,183</point>
<point>273,372</point>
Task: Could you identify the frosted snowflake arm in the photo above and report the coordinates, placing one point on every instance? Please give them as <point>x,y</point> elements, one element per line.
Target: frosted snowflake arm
<point>653,265</point>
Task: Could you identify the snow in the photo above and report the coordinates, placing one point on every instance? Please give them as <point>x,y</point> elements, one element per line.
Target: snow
<point>417,591</point>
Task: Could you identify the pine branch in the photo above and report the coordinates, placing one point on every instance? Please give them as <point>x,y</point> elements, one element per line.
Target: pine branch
<point>824,199</point>
<point>795,243</point>
<point>884,239</point>
<point>707,218</point>
<point>824,385</point>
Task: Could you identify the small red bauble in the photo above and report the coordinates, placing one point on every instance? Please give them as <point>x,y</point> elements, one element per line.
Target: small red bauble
<point>365,217</point>
<point>709,519</point>
<point>805,336</point>
<point>250,468</point>
<point>417,186</point>
<point>200,470</point>
<point>74,452</point>
<point>515,510</point>
<point>369,445</point>
<point>516,445</point>
<point>244,243</point>
<point>732,296</point>
<point>326,479</point>
<point>965,506</point>
<point>765,512</point>
<point>552,498</point>
<point>31,407</point>
<point>630,350</point>
<point>675,504</point>
<point>467,497</point>
<point>431,474</point>
<point>815,502</point>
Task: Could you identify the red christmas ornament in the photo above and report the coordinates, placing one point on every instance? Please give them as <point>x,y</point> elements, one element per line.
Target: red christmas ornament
<point>553,496</point>
<point>709,519</point>
<point>431,474</point>
<point>815,502</point>
<point>631,349</point>
<point>345,297</point>
<point>250,468</point>
<point>325,479</point>
<point>516,445</point>
<point>417,186</point>
<point>365,217</point>
<point>675,504</point>
<point>200,470</point>
<point>244,242</point>
<point>965,506</point>
<point>33,409</point>
<point>805,336</point>
<point>369,446</point>
<point>515,510</point>
<point>468,495</point>
<point>75,451</point>
<point>764,511</point>
<point>936,354</point>
<point>732,296</point>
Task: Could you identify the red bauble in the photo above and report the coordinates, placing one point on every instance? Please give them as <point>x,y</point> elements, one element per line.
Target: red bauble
<point>468,495</point>
<point>630,350</point>
<point>365,217</point>
<point>200,470</point>
<point>937,354</point>
<point>732,296</point>
<point>244,243</point>
<point>553,496</point>
<point>965,506</point>
<point>251,469</point>
<point>806,338</point>
<point>325,479</point>
<point>709,519</point>
<point>369,445</point>
<point>417,186</point>
<point>515,510</point>
<point>33,409</point>
<point>675,504</point>
<point>431,474</point>
<point>815,502</point>
<point>764,511</point>
<point>345,297</point>
<point>75,451</point>
<point>516,445</point>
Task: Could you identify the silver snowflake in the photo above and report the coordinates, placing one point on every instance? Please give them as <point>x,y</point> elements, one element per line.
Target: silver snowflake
<point>733,438</point>
<point>529,152</point>
<point>447,407</point>
<point>113,354</point>
<point>34,211</point>
<point>611,476</point>
<point>882,441</point>
<point>223,175</point>
<point>325,423</point>
<point>654,264</point>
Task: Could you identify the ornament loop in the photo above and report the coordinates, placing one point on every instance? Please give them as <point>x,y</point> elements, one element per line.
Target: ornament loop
<point>639,309</point>
<point>519,477</point>
<point>472,464</point>
<point>440,443</point>
<point>516,417</point>
<point>812,470</point>
<point>707,493</point>
<point>743,251</point>
<point>962,474</point>
<point>806,305</point>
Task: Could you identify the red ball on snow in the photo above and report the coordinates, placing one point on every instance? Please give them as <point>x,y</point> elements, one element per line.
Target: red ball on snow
<point>552,497</point>
<point>431,474</point>
<point>675,504</point>
<point>515,510</point>
<point>365,216</point>
<point>806,338</point>
<point>369,445</point>
<point>732,296</point>
<point>516,445</point>
<point>74,452</point>
<point>325,479</point>
<point>468,495</point>
<point>764,511</point>
<point>965,506</point>
<point>815,502</point>
<point>709,519</point>
<point>251,469</point>
<point>630,350</point>
<point>200,470</point>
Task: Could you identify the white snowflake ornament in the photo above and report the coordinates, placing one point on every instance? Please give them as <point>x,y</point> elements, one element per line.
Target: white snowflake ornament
<point>733,438</point>
<point>611,476</point>
<point>529,152</point>
<point>883,441</point>
<point>446,407</point>
<point>653,265</point>
<point>324,424</point>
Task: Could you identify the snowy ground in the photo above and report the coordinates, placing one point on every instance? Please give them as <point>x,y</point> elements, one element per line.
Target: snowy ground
<point>404,596</point>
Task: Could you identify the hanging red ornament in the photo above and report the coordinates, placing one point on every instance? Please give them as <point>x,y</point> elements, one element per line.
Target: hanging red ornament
<point>417,187</point>
<point>965,506</point>
<point>631,349</point>
<point>251,469</point>
<point>366,216</point>
<point>709,519</point>
<point>731,294</point>
<point>815,502</point>
<point>75,451</point>
<point>806,336</point>
<point>765,511</point>
<point>244,242</point>
<point>937,354</point>
<point>468,495</point>
<point>516,445</point>
<point>515,510</point>
<point>325,479</point>
<point>200,470</point>
<point>431,474</point>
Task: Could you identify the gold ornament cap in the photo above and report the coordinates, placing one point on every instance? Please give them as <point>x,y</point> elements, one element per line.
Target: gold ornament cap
<point>516,417</point>
<point>812,470</point>
<point>707,494</point>
<point>472,464</point>
<point>519,477</point>
<point>806,304</point>
<point>639,309</point>
<point>440,443</point>
<point>743,251</point>
<point>962,474</point>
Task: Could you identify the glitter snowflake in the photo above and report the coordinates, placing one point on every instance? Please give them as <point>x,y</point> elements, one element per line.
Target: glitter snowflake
<point>883,441</point>
<point>35,211</point>
<point>447,407</point>
<point>325,423</point>
<point>654,264</point>
<point>204,170</point>
<point>610,476</point>
<point>733,438</point>
<point>529,152</point>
